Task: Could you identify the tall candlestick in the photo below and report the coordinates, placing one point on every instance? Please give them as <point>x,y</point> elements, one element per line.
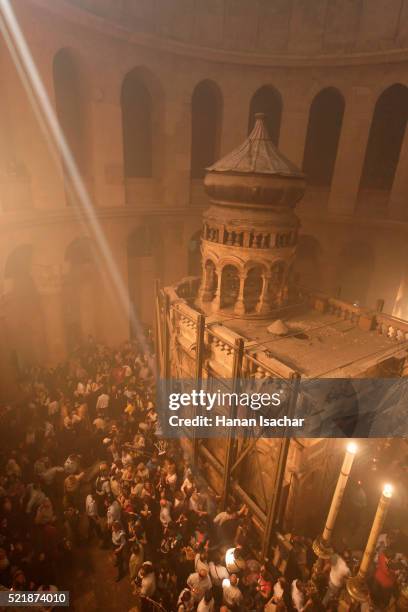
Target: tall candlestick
<point>356,585</point>
<point>322,545</point>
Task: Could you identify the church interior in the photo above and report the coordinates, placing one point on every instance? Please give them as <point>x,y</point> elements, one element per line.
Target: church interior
<point>203,195</point>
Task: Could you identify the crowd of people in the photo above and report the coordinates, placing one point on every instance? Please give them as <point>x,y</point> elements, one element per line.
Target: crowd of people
<point>84,447</point>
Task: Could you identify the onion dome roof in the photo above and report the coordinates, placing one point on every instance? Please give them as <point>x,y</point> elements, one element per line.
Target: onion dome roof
<point>257,155</point>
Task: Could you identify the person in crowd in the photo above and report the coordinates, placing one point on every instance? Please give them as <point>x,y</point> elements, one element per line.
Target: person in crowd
<point>232,594</point>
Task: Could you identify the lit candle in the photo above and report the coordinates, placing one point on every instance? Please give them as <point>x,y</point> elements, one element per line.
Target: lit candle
<point>322,545</point>
<point>339,491</point>
<point>356,586</point>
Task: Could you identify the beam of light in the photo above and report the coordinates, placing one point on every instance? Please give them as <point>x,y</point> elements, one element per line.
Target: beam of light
<point>60,149</point>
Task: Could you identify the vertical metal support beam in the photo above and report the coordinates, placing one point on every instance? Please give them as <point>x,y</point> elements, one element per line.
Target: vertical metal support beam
<point>166,339</point>
<point>272,517</point>
<point>198,374</point>
<point>164,378</point>
<point>230,442</point>
<point>158,330</point>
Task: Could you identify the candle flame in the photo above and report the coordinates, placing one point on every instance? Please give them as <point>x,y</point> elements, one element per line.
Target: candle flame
<point>387,490</point>
<point>352,448</point>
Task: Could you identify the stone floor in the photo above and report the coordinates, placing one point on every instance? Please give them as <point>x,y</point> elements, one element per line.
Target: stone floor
<point>91,582</point>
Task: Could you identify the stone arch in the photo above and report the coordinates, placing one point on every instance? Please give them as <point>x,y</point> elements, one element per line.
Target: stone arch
<point>323,135</point>
<point>267,100</point>
<point>230,282</point>
<point>385,141</point>
<point>206,119</point>
<point>71,112</point>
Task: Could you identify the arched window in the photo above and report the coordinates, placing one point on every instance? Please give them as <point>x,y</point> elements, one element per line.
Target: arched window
<point>136,105</point>
<point>267,100</point>
<point>229,286</point>
<point>323,134</point>
<point>385,139</point>
<point>206,115</point>
<point>69,105</point>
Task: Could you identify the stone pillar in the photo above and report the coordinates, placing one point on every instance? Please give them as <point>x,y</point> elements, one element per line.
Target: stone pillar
<point>263,306</point>
<point>177,147</point>
<point>239,307</point>
<point>351,151</point>
<point>235,118</point>
<point>216,303</point>
<point>295,118</point>
<point>107,147</point>
<point>398,197</point>
<point>49,285</point>
<point>207,284</point>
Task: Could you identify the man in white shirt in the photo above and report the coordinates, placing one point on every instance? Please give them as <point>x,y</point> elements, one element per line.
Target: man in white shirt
<point>231,593</point>
<point>102,403</point>
<point>165,512</point>
<point>199,583</point>
<point>338,575</point>
<point>218,573</point>
<point>91,509</point>
<point>201,562</point>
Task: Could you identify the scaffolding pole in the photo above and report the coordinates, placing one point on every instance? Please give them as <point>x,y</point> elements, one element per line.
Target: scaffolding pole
<point>230,443</point>
<point>272,517</point>
<point>198,375</point>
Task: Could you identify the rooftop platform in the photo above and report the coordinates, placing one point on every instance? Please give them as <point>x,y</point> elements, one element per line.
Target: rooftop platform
<point>326,337</point>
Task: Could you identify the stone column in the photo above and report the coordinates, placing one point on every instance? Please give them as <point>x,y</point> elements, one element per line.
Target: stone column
<point>107,162</point>
<point>239,307</point>
<point>263,306</point>
<point>295,118</point>
<point>176,149</point>
<point>49,283</point>
<point>399,191</point>
<point>207,284</point>
<point>216,303</point>
<point>351,151</point>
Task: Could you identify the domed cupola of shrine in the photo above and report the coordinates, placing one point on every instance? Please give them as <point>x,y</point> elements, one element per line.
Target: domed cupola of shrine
<point>250,230</point>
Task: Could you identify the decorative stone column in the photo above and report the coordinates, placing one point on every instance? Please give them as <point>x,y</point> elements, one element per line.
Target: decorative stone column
<point>216,303</point>
<point>239,307</point>
<point>351,151</point>
<point>264,306</point>
<point>207,286</point>
<point>49,283</point>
